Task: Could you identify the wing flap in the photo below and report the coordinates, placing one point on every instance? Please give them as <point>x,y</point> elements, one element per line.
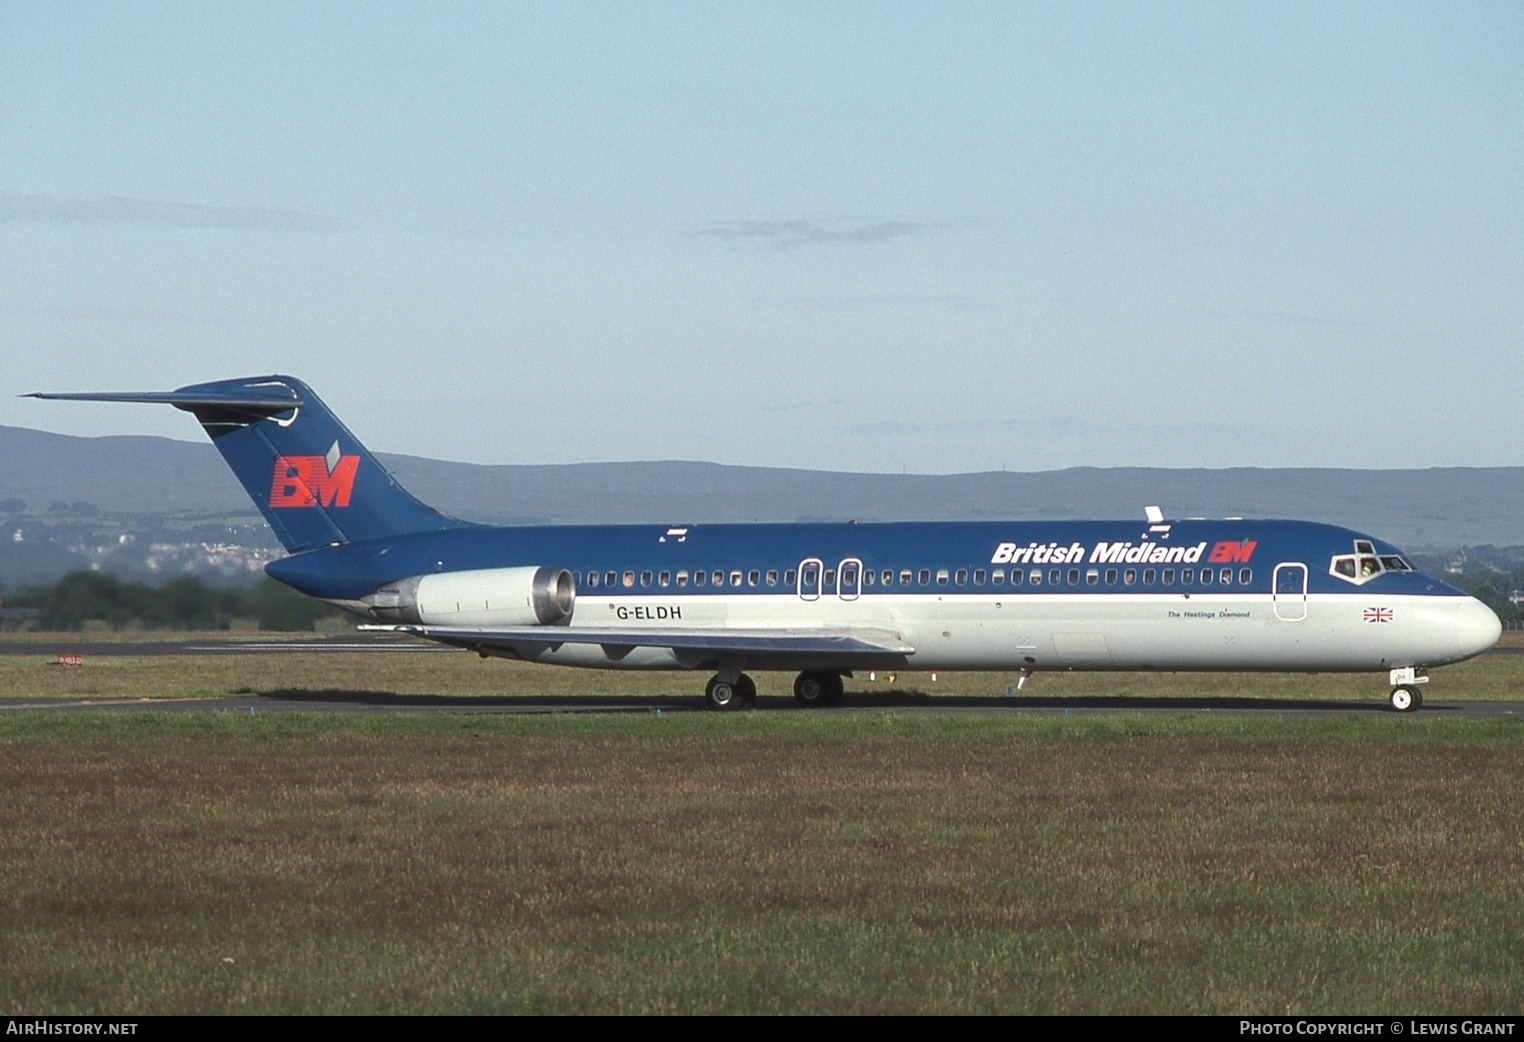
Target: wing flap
<point>817,641</point>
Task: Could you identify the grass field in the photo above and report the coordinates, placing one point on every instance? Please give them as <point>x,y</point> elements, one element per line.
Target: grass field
<point>874,861</point>
<point>1487,678</point>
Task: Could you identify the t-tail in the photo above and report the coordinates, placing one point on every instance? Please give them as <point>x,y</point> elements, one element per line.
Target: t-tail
<point>312,479</point>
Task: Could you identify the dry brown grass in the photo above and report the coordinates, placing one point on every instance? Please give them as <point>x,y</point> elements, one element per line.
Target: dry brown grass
<point>777,862</point>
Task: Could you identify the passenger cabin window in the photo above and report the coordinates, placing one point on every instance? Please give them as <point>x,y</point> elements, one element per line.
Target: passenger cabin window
<point>1187,576</point>
<point>592,579</point>
<point>664,579</point>
<point>772,577</point>
<point>905,578</point>
<point>735,578</point>
<point>978,576</point>
<point>1092,576</point>
<point>1148,576</point>
<point>1245,576</point>
<point>1225,577</point>
<point>753,577</point>
<point>1169,577</point>
<point>925,576</point>
<point>997,577</point>
<point>699,577</point>
<point>1206,575</point>
<point>886,577</point>
<point>1073,576</point>
<point>789,577</point>
<point>941,576</point>
<point>1055,576</point>
<point>1036,576</point>
<point>645,578</point>
<point>962,577</point>
<point>718,577</point>
<point>611,578</point>
<point>1111,577</point>
<point>849,576</point>
<point>629,579</point>
<point>682,578</point>
<point>1130,576</point>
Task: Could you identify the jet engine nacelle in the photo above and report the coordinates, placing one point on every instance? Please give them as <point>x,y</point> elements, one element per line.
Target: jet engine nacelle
<point>485,597</point>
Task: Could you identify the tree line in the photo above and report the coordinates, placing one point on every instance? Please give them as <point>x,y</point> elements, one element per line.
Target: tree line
<point>1491,574</point>
<point>1493,591</point>
<point>86,597</point>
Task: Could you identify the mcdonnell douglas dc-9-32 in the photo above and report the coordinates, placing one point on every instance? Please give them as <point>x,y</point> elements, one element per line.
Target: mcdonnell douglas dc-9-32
<point>826,600</point>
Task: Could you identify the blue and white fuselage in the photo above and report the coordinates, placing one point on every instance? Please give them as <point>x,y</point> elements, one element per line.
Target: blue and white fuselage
<point>943,590</point>
<point>827,599</point>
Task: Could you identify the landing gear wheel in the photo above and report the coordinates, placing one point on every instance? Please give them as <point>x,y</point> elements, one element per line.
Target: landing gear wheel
<point>1406,699</point>
<point>722,694</point>
<point>818,688</point>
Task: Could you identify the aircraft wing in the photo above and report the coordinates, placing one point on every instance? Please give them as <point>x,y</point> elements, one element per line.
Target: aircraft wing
<point>854,643</point>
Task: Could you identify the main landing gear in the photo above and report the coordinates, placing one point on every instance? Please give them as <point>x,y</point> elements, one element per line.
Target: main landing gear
<point>1405,695</point>
<point>811,688</point>
<point>818,688</point>
<point>740,693</point>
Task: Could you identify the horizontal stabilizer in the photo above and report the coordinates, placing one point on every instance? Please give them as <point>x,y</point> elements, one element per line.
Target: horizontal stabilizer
<point>278,399</point>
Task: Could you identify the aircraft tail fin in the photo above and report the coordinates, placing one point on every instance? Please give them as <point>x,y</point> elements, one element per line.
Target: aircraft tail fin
<point>312,479</point>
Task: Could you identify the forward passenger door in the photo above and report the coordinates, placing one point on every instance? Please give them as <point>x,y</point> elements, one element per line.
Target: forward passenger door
<point>1289,591</point>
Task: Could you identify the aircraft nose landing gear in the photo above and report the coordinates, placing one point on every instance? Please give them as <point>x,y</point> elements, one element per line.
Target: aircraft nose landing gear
<point>1405,695</point>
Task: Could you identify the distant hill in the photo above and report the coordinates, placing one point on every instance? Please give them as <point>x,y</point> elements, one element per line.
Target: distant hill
<point>156,478</point>
<point>1436,509</point>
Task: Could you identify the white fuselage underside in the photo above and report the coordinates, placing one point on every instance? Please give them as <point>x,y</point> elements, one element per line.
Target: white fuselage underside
<point>1323,632</point>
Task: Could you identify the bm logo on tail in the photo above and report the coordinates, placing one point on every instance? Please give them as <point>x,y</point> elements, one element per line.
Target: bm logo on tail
<point>310,481</point>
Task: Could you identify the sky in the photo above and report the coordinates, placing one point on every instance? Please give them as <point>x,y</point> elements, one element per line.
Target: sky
<point>934,238</point>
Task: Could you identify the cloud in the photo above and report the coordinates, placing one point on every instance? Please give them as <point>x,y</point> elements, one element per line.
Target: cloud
<point>878,301</point>
<point>22,208</point>
<point>802,406</point>
<point>808,231</point>
<point>893,429</point>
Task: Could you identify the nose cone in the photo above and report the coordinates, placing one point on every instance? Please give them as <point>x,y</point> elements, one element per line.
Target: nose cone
<point>1477,628</point>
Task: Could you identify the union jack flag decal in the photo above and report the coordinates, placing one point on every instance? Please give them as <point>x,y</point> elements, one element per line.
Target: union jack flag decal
<point>1378,615</point>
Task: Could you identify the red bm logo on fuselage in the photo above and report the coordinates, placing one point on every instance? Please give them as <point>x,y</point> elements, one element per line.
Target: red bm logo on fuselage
<point>306,481</point>
<point>1230,551</point>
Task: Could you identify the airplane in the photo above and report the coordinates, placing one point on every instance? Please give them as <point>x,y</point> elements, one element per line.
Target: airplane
<point>826,600</point>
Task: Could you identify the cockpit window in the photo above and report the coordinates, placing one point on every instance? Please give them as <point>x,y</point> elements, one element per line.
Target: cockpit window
<point>1364,565</point>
